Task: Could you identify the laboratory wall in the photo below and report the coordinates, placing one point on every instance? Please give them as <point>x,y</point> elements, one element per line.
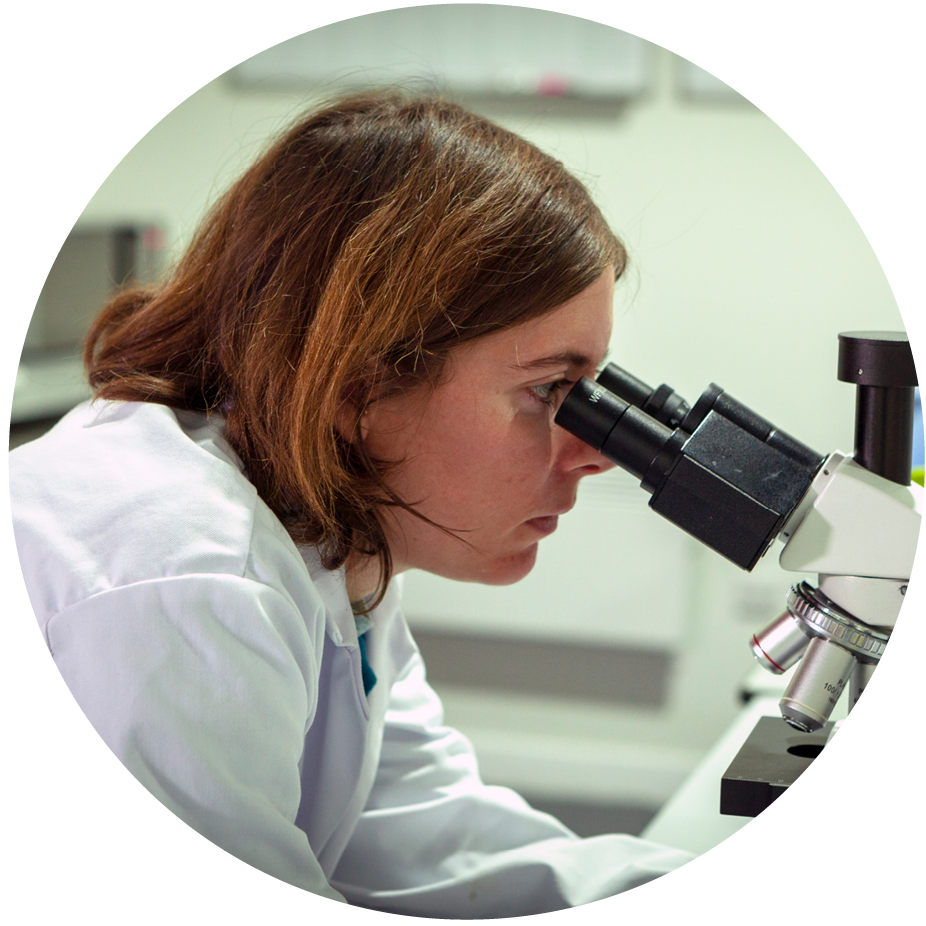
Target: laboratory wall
<point>597,683</point>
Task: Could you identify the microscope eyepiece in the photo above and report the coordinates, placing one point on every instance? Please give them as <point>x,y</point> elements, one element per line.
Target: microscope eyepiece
<point>622,433</point>
<point>590,412</point>
<point>663,403</point>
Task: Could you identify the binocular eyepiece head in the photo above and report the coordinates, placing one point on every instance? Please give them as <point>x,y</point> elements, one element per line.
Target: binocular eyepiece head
<point>717,469</point>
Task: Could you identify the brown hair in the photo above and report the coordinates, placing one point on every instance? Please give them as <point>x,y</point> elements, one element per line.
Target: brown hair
<point>370,239</point>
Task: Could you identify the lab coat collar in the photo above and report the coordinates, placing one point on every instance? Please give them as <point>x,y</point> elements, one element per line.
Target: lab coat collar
<point>332,585</point>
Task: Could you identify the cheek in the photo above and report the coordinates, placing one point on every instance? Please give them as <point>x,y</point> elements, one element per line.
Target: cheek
<point>467,462</point>
<point>499,464</point>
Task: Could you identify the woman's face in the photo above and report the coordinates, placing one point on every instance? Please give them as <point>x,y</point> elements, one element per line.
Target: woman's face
<point>481,453</point>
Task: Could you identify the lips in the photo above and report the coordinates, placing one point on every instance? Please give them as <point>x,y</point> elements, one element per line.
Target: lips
<point>545,525</point>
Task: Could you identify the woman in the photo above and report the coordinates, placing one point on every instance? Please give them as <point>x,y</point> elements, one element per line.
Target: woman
<point>352,372</point>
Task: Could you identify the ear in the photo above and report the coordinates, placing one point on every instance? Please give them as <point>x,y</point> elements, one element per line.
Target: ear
<point>358,399</point>
<point>349,421</point>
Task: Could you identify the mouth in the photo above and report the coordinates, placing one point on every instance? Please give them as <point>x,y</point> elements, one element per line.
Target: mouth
<point>545,525</point>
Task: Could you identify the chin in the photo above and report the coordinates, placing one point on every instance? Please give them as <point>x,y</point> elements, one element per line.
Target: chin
<point>509,569</point>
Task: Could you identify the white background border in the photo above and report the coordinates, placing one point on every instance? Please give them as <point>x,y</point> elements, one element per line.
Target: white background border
<point>82,84</point>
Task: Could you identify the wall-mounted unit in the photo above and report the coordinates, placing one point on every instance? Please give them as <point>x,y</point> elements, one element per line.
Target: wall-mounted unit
<point>465,50</point>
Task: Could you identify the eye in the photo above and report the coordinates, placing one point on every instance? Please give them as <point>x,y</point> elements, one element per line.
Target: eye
<point>547,393</point>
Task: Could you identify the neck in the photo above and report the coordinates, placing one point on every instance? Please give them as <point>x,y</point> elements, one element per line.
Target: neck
<point>362,575</point>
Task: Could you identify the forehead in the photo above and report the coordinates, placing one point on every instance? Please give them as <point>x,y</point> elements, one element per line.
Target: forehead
<point>576,333</point>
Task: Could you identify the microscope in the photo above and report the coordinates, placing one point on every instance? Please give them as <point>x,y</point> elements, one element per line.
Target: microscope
<point>738,484</point>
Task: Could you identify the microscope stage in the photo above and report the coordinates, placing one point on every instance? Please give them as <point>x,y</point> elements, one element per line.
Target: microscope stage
<point>773,757</point>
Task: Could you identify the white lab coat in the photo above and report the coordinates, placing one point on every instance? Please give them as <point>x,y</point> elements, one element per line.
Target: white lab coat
<point>220,663</point>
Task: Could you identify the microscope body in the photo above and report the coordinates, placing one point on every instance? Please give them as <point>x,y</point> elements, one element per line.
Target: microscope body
<point>738,484</point>
<point>858,532</point>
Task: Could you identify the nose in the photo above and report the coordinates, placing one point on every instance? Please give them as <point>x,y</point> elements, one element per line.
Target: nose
<point>579,458</point>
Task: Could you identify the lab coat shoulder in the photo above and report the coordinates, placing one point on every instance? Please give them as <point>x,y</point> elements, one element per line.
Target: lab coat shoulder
<point>120,493</point>
<point>147,506</point>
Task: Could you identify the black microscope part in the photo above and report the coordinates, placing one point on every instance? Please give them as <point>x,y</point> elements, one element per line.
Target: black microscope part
<point>880,364</point>
<point>663,403</point>
<point>725,475</point>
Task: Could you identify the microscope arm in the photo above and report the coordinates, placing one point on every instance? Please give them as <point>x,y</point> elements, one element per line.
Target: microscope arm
<point>858,532</point>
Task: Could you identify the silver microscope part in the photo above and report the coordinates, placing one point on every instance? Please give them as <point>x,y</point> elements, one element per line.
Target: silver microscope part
<point>823,618</point>
<point>816,685</point>
<point>861,675</point>
<point>836,650</point>
<point>841,649</point>
<point>781,643</point>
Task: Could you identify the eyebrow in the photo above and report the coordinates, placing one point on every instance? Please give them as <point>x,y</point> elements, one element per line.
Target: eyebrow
<point>567,357</point>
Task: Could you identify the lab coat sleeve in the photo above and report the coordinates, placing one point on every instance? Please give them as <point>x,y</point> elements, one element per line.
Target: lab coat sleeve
<point>203,686</point>
<point>435,841</point>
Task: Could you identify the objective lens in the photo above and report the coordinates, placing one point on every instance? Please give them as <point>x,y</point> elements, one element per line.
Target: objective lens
<point>781,644</point>
<point>861,676</point>
<point>817,684</point>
